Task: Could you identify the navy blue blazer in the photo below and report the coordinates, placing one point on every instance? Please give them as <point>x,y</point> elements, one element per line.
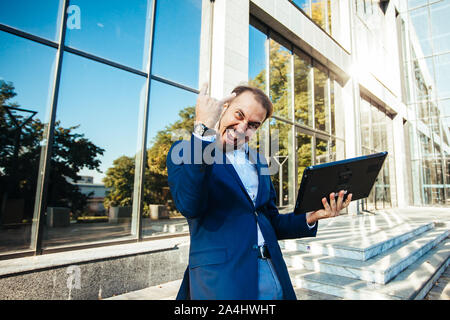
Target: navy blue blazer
<point>222,223</point>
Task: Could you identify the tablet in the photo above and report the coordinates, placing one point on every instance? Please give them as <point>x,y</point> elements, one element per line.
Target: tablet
<point>356,175</point>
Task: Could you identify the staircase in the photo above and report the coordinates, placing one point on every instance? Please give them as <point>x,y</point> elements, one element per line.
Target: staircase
<point>373,256</point>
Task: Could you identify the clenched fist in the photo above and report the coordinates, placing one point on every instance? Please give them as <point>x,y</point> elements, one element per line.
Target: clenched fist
<point>208,110</point>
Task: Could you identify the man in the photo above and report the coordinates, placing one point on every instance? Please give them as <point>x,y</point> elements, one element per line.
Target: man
<point>217,183</point>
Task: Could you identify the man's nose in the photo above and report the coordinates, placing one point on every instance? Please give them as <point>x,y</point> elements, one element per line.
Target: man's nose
<point>241,128</point>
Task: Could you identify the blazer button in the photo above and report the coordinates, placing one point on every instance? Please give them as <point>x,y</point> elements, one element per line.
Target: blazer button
<point>255,246</point>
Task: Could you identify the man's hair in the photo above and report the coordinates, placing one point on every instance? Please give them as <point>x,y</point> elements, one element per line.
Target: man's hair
<point>259,95</point>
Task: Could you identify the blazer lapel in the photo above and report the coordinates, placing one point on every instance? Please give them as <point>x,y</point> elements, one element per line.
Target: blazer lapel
<point>254,158</point>
<point>233,172</point>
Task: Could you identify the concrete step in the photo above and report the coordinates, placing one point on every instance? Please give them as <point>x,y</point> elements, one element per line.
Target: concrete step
<point>305,294</point>
<point>356,242</point>
<point>412,283</point>
<point>379,269</point>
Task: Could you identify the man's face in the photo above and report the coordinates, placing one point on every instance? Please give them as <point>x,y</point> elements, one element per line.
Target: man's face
<point>243,116</point>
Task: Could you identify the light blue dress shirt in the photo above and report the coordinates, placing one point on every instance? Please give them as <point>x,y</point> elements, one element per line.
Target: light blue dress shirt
<point>247,173</point>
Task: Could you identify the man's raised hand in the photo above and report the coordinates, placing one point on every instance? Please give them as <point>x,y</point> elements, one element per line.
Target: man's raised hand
<point>208,110</point>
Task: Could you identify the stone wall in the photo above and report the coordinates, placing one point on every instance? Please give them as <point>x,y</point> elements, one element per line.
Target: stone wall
<point>96,278</point>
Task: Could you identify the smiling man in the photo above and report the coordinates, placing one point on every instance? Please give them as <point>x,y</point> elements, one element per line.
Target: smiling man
<point>230,206</point>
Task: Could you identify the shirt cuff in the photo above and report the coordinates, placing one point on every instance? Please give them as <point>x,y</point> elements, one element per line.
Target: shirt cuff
<point>309,226</point>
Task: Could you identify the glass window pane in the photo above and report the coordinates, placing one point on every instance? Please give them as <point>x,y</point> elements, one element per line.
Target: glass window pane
<point>416,3</point>
<point>369,202</point>
<point>383,130</point>
<point>304,153</point>
<point>447,179</point>
<point>280,82</point>
<point>376,129</point>
<point>168,119</point>
<point>440,11</point>
<point>114,30</point>
<point>40,18</point>
<point>442,63</point>
<point>328,17</point>
<point>303,90</point>
<point>284,179</point>
<point>332,107</point>
<point>96,140</point>
<point>378,190</point>
<point>321,116</point>
<point>420,25</point>
<point>333,154</point>
<point>26,74</point>
<point>176,45</point>
<point>304,5</point>
<point>318,13</point>
<point>337,150</point>
<point>321,149</point>
<point>257,58</point>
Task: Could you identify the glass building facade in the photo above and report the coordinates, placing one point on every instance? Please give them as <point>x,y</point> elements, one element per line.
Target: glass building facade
<point>93,94</point>
<point>426,61</point>
<point>90,94</point>
<point>305,109</point>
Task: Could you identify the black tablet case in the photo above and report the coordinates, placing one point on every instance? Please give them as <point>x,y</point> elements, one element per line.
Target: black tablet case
<point>356,175</point>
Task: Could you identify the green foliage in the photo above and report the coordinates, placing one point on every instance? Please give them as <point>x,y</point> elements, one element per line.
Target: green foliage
<point>20,153</point>
<point>119,181</point>
<point>120,177</point>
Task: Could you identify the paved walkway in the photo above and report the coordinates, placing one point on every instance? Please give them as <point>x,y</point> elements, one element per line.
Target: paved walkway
<point>164,291</point>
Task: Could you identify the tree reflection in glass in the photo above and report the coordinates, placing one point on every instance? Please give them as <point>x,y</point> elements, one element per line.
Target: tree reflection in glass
<point>302,89</point>
<point>321,117</point>
<point>304,153</point>
<point>280,82</point>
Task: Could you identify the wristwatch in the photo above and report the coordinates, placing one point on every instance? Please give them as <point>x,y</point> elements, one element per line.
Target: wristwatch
<point>200,129</point>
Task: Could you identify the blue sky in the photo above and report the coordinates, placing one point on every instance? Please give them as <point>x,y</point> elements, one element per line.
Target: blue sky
<point>107,102</point>
<point>256,52</point>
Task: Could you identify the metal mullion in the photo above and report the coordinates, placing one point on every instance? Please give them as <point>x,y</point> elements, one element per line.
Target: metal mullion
<point>293,162</point>
<point>143,159</point>
<point>267,134</point>
<point>292,86</point>
<point>28,36</point>
<point>46,152</point>
<point>313,149</point>
<point>313,102</point>
<point>328,93</point>
<point>174,84</point>
<point>309,129</point>
<point>103,60</point>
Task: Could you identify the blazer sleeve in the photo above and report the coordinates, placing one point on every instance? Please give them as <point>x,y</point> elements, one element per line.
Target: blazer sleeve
<point>187,171</point>
<point>288,226</point>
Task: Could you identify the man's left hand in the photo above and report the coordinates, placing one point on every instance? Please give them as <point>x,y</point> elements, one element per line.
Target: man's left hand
<point>331,209</point>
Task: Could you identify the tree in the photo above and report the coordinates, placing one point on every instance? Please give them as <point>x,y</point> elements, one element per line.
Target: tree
<point>119,179</point>
<point>119,182</point>
<point>20,157</point>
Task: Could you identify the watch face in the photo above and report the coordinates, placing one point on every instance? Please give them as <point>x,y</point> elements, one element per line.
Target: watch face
<point>200,129</point>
